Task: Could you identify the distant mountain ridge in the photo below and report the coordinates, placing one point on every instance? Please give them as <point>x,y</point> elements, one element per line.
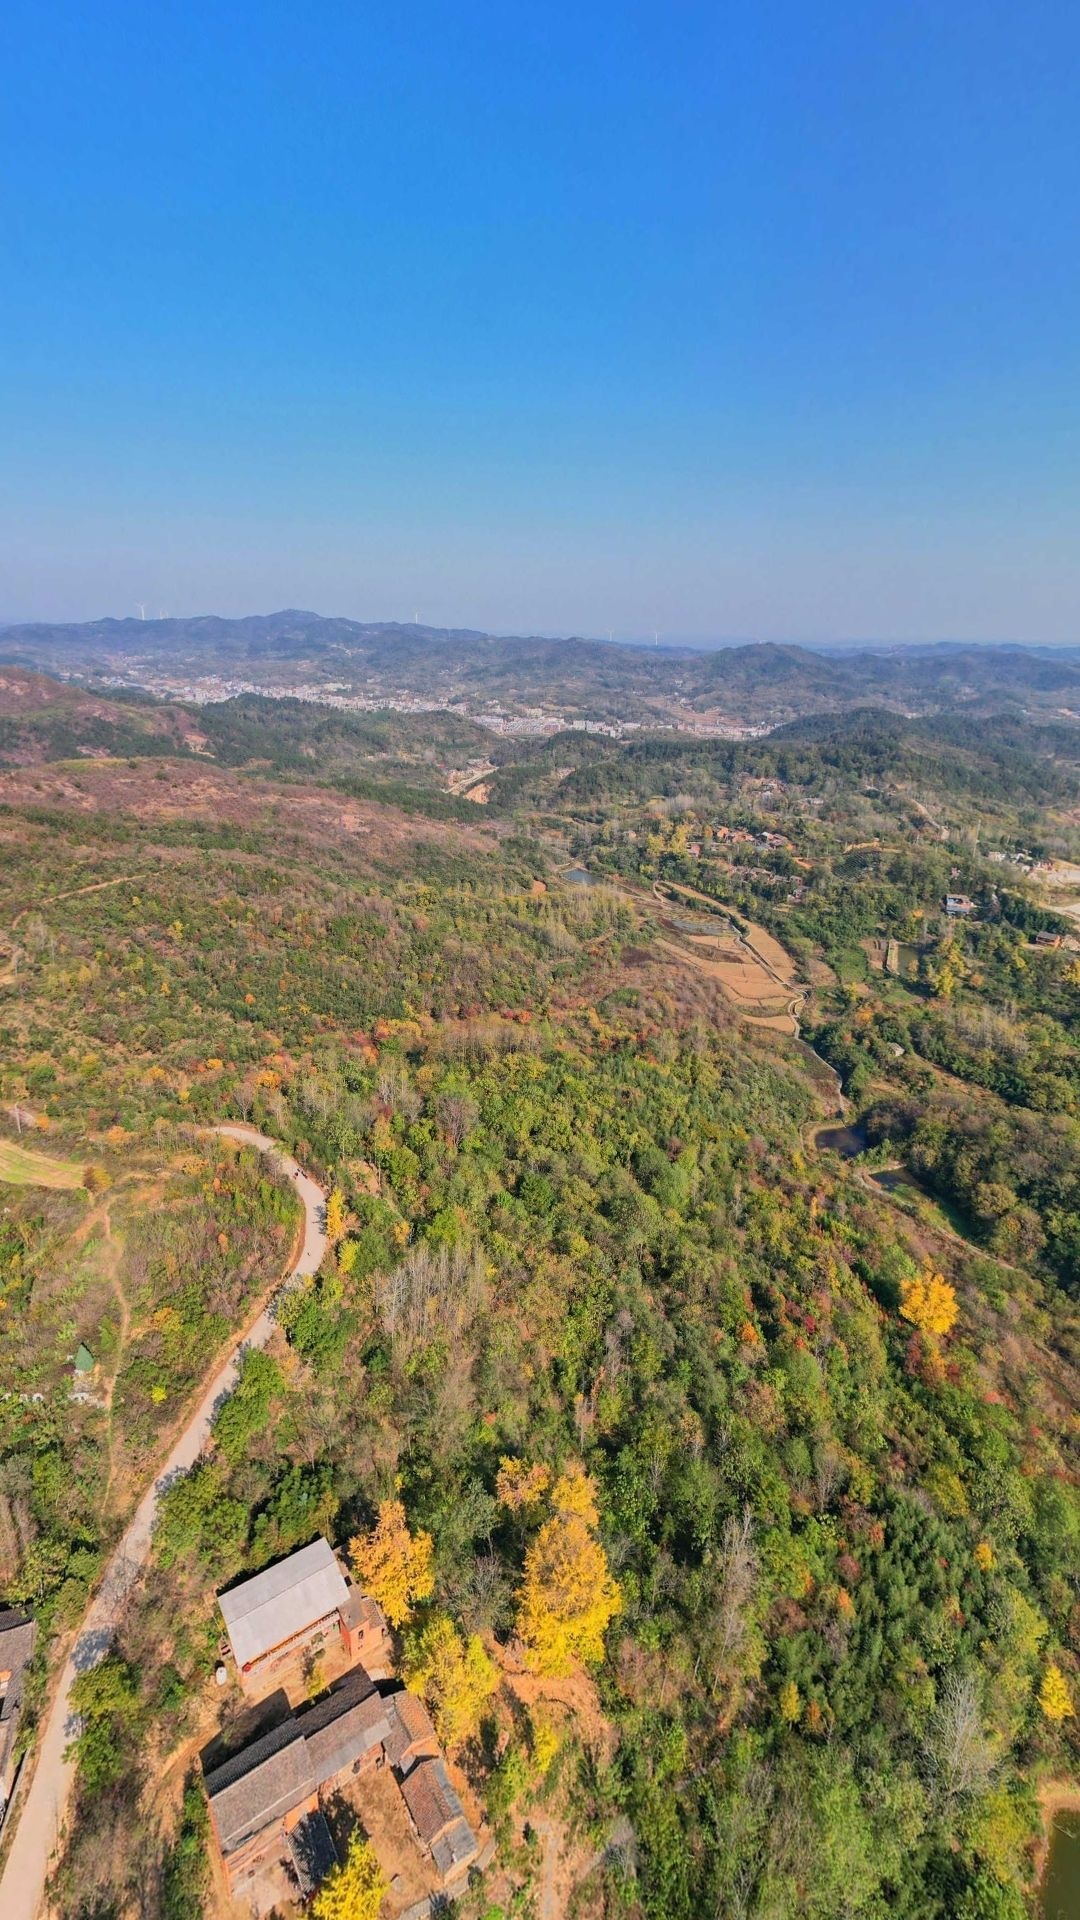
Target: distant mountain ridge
<point>756,683</point>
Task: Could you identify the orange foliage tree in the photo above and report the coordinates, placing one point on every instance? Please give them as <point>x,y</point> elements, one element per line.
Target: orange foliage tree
<point>519,1485</point>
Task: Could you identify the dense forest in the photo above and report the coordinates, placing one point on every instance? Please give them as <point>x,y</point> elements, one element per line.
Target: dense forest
<point>596,1277</point>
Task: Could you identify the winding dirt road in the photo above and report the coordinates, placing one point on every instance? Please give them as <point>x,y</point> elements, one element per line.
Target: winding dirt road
<point>22,1886</point>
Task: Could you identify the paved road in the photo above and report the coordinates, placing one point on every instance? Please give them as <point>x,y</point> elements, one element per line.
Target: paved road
<point>22,1887</point>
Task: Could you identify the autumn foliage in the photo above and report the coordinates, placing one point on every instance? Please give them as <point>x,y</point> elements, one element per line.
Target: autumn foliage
<point>456,1676</point>
<point>929,1303</point>
<point>392,1564</point>
<point>335,1215</point>
<point>568,1597</point>
<point>1055,1698</point>
<point>519,1485</point>
<point>354,1890</point>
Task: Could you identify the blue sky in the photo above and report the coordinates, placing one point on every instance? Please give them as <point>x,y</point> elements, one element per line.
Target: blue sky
<point>748,320</point>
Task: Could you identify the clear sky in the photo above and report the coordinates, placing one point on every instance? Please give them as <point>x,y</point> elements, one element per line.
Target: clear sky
<point>751,320</point>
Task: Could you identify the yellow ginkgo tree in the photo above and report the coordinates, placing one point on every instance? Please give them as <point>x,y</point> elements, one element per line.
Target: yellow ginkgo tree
<point>567,1597</point>
<point>929,1303</point>
<point>335,1215</point>
<point>355,1889</point>
<point>1055,1698</point>
<point>455,1675</point>
<point>392,1564</point>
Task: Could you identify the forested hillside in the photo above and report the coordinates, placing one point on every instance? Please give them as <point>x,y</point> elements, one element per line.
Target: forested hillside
<point>600,1290</point>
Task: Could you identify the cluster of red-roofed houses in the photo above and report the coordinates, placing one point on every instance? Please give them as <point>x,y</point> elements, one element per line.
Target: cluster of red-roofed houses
<point>267,1798</point>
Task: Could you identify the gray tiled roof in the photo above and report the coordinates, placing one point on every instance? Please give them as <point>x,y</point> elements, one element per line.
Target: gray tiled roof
<point>409,1726</point>
<point>454,1849</point>
<point>263,1781</point>
<point>311,1848</point>
<point>259,1784</point>
<point>17,1635</point>
<point>264,1612</point>
<point>431,1799</point>
<point>344,1726</point>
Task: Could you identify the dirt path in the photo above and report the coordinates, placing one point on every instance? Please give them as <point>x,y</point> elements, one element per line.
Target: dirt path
<point>925,814</point>
<point>112,1271</point>
<point>73,893</point>
<point>40,1818</point>
<point>939,1227</point>
<point>110,1265</point>
<point>1055,1796</point>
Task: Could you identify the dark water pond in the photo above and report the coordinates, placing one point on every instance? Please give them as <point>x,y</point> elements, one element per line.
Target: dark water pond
<point>895,1180</point>
<point>1059,1896</point>
<point>1060,1892</point>
<point>847,1141</point>
<point>580,877</point>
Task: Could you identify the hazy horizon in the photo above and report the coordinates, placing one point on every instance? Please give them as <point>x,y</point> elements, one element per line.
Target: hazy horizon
<point>672,641</point>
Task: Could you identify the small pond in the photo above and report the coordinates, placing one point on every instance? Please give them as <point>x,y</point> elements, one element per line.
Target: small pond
<point>581,877</point>
<point>1060,1891</point>
<point>896,1180</point>
<point>849,1142</point>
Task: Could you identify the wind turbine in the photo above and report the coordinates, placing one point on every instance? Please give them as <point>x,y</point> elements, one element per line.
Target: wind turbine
<point>141,604</point>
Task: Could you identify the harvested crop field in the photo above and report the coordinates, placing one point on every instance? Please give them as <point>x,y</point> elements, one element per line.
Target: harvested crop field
<point>21,1168</point>
<point>743,977</point>
<point>770,950</point>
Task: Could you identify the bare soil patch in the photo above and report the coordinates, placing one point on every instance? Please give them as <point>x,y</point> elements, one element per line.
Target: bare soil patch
<point>169,790</point>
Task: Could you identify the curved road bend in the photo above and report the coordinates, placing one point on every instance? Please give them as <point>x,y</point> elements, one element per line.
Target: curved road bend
<point>22,1887</point>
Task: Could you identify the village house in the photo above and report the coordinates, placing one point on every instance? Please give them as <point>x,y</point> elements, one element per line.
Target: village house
<point>958,903</point>
<point>1044,938</point>
<point>265,1799</point>
<point>438,1817</point>
<point>17,1635</point>
<point>293,1608</point>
